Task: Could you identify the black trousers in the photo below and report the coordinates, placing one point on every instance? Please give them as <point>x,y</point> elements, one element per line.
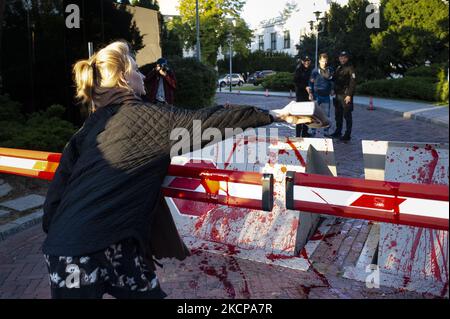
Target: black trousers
<point>343,111</point>
<point>301,96</point>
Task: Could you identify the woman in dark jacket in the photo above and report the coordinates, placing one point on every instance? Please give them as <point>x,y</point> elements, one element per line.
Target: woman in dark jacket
<point>104,214</point>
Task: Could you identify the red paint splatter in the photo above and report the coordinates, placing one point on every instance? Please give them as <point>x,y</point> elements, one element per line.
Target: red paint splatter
<point>296,152</point>
<point>320,236</point>
<point>411,158</point>
<point>193,284</point>
<point>227,162</point>
<point>223,278</point>
<point>393,244</point>
<point>426,173</point>
<point>415,245</point>
<point>319,274</point>
<point>274,257</point>
<point>435,270</point>
<point>232,250</point>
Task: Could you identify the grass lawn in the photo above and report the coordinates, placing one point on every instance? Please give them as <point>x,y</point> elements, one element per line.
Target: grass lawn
<point>248,87</point>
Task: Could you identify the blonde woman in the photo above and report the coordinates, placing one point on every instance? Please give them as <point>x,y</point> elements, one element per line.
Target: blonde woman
<point>104,215</point>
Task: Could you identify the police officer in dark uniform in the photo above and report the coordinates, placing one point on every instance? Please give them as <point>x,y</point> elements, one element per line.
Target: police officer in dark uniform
<point>303,92</point>
<point>344,87</point>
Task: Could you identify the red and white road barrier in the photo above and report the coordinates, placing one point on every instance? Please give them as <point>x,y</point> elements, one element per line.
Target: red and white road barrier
<point>382,201</point>
<point>409,204</point>
<point>218,186</point>
<point>29,163</point>
<point>243,189</point>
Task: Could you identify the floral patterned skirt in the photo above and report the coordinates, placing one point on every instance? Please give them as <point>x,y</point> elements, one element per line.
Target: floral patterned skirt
<point>119,270</point>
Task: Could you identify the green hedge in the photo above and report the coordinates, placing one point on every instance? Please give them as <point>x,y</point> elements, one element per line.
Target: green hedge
<point>282,81</point>
<point>196,82</point>
<point>431,71</point>
<point>43,131</point>
<point>427,83</point>
<point>405,88</point>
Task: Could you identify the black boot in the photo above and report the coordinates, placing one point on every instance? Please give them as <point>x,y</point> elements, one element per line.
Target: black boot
<point>347,137</point>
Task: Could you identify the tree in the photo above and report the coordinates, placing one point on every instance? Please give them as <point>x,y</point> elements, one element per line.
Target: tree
<point>171,44</point>
<point>149,4</point>
<point>415,31</point>
<point>2,10</point>
<point>214,27</point>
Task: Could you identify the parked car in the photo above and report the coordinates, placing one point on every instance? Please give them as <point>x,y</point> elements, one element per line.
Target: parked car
<point>257,77</point>
<point>236,79</point>
<point>252,77</point>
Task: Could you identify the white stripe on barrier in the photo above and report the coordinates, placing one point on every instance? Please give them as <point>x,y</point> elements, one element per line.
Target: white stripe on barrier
<point>234,189</point>
<point>16,162</point>
<point>425,207</point>
<point>407,205</point>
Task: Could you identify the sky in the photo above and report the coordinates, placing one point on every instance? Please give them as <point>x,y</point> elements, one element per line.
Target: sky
<point>254,10</point>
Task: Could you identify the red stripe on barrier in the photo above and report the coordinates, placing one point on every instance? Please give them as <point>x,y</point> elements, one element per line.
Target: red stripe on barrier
<point>216,199</point>
<point>378,202</point>
<point>46,175</point>
<point>423,191</point>
<point>373,215</point>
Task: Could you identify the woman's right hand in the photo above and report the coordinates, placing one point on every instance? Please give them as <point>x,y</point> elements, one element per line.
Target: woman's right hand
<point>283,115</point>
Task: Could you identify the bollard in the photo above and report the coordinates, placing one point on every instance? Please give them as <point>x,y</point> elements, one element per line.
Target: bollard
<point>371,107</point>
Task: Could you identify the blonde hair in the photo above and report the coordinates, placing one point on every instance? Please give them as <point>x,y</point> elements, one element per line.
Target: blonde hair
<point>106,68</point>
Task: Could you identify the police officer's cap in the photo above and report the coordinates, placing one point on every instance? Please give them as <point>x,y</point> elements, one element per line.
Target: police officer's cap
<point>344,53</point>
<point>305,58</point>
<point>161,61</point>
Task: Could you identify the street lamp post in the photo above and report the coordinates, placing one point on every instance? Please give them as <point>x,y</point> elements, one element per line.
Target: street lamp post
<point>318,26</point>
<point>230,44</point>
<point>197,31</point>
<point>232,22</point>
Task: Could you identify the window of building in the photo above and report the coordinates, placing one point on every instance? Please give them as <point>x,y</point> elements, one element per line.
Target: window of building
<point>273,41</point>
<point>261,42</point>
<point>287,40</point>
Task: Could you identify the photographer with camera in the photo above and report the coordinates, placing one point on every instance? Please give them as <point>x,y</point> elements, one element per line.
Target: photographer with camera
<point>160,83</point>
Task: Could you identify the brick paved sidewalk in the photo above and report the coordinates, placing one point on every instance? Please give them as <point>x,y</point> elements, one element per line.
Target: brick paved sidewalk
<point>23,272</point>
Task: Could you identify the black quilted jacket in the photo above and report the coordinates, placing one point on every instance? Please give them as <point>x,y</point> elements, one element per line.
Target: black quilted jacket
<point>107,186</point>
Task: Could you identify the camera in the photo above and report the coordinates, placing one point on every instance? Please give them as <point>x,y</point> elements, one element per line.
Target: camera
<point>164,67</point>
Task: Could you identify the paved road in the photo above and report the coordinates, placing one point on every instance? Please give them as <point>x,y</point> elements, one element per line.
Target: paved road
<point>204,275</point>
<point>422,111</point>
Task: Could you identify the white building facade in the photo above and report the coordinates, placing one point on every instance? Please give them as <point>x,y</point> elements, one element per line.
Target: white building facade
<point>283,34</point>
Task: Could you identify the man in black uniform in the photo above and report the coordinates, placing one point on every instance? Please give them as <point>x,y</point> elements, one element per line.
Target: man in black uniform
<point>303,91</point>
<point>344,87</point>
